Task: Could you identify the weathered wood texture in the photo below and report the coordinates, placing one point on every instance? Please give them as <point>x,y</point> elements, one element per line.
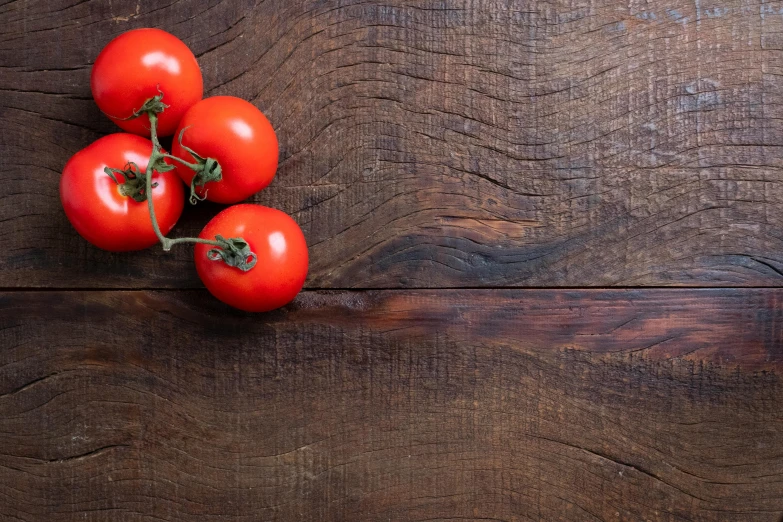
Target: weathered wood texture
<point>393,405</point>
<point>461,143</point>
<point>439,143</point>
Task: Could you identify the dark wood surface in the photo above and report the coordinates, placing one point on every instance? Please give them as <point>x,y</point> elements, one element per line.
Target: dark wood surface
<point>464,171</point>
<point>436,143</point>
<point>393,405</point>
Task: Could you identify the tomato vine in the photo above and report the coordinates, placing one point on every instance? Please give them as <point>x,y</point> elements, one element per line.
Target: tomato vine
<point>232,251</point>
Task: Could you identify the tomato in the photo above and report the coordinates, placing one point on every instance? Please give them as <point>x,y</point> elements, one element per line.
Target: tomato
<point>281,254</point>
<point>134,67</point>
<point>95,206</point>
<point>239,137</point>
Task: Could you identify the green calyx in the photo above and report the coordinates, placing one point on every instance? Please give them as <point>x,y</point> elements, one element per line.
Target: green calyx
<point>154,105</point>
<point>207,170</point>
<point>135,180</point>
<point>134,184</point>
<point>233,252</point>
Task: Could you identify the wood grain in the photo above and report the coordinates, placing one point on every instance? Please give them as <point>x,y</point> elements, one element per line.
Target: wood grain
<point>429,144</point>
<point>393,405</point>
<point>432,143</point>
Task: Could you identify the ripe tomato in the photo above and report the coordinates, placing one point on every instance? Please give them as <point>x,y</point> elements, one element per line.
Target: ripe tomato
<point>281,253</point>
<point>134,67</point>
<point>239,137</point>
<point>95,206</point>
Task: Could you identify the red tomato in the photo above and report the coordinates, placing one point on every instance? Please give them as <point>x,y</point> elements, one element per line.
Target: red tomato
<point>134,67</point>
<point>281,252</point>
<point>95,206</point>
<point>239,137</point>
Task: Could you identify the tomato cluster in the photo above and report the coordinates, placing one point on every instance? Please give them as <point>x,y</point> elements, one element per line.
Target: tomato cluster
<point>149,83</point>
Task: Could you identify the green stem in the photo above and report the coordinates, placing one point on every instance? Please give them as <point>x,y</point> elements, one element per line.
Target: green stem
<point>148,175</point>
<point>192,166</point>
<point>234,252</point>
<point>156,156</point>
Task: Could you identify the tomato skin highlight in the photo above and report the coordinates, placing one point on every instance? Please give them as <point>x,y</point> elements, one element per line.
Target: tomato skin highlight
<point>134,67</point>
<point>236,134</point>
<point>282,258</point>
<point>96,208</point>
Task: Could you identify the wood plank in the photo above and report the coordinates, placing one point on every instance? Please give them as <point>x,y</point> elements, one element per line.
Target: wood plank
<point>423,144</point>
<point>630,405</point>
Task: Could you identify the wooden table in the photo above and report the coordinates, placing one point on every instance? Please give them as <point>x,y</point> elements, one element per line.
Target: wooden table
<point>546,247</point>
